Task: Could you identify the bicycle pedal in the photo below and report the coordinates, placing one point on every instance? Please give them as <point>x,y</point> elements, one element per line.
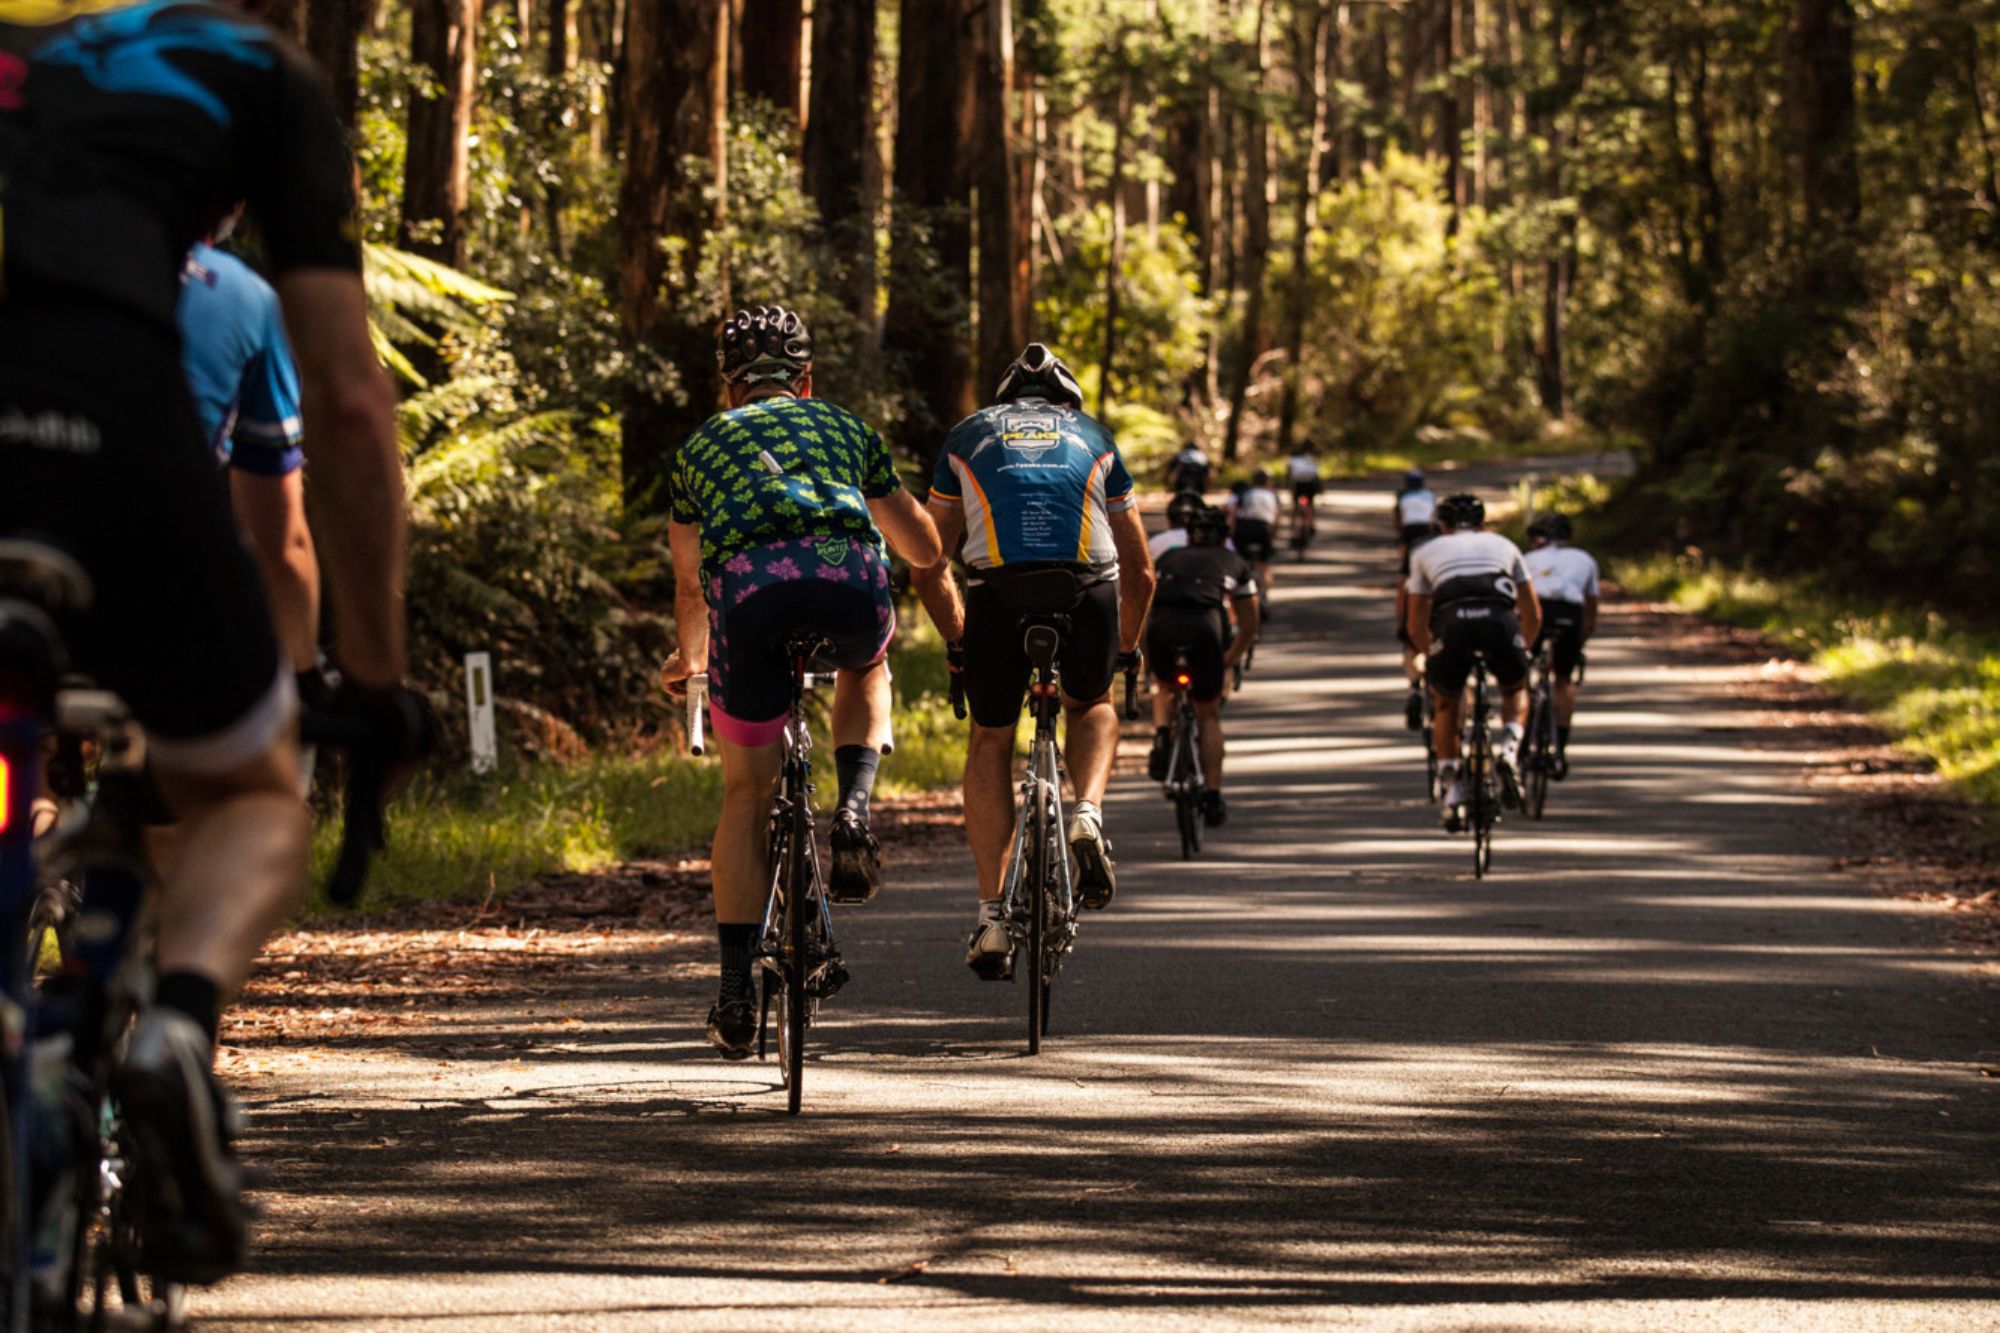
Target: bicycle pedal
<point>992,967</point>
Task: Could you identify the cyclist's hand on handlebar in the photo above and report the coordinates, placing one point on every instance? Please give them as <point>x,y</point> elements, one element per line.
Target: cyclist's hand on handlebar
<point>1128,662</point>
<point>674,673</point>
<point>954,658</point>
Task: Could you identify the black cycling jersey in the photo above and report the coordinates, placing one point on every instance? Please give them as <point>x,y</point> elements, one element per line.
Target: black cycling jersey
<point>127,130</point>
<point>1202,578</point>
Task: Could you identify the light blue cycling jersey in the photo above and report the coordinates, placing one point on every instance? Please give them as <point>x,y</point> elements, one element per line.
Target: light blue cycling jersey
<point>238,364</point>
<point>1038,482</point>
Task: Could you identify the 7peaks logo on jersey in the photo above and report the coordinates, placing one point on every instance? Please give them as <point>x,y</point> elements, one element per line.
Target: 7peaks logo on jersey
<point>1031,433</point>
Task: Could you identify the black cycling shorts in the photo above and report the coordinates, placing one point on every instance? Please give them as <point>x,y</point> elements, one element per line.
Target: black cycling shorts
<point>1306,488</point>
<point>111,466</point>
<point>1253,540</point>
<point>835,587</point>
<point>996,664</point>
<point>1413,536</point>
<point>1460,632</point>
<point>1562,629</point>
<point>1202,634</point>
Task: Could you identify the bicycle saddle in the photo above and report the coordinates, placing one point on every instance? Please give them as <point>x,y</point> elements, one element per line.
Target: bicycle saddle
<point>808,646</point>
<point>1041,639</point>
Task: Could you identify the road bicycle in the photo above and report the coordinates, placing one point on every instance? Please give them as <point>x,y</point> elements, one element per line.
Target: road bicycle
<point>75,966</point>
<point>1538,743</point>
<point>1304,527</point>
<point>798,958</point>
<point>1480,781</point>
<point>1038,897</point>
<point>1185,784</point>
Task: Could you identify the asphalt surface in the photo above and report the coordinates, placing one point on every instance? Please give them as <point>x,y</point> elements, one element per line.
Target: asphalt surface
<point>1667,1068</point>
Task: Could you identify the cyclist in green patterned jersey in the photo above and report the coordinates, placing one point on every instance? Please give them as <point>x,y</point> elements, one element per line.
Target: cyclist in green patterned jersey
<point>775,505</point>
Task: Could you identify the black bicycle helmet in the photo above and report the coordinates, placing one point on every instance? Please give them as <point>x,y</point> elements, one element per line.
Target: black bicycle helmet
<point>768,344</point>
<point>1260,478</point>
<point>1207,526</point>
<point>1551,528</point>
<point>1039,373</point>
<point>1182,509</point>
<point>1413,480</point>
<point>1463,510</point>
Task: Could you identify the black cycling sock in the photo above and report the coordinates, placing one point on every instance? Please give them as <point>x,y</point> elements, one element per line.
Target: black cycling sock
<point>192,994</point>
<point>1562,739</point>
<point>1161,735</point>
<point>855,766</point>
<point>737,940</point>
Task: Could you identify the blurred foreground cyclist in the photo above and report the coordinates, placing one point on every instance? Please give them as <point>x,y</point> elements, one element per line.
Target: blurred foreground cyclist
<point>125,132</point>
<point>1035,489</point>
<point>775,504</point>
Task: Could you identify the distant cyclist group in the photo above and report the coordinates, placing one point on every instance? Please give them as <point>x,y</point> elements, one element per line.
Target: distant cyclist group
<point>138,362</point>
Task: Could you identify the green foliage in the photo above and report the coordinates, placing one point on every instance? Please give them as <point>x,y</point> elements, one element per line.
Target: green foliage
<point>1163,320</point>
<point>1405,318</point>
<point>1932,681</point>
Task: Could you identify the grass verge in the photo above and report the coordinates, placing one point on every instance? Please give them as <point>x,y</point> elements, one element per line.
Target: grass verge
<point>1934,684</point>
<point>462,835</point>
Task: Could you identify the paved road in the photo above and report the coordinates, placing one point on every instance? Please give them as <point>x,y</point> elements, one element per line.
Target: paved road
<point>1667,1069</point>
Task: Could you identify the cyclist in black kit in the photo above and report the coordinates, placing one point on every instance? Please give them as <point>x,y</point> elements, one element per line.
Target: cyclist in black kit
<point>1199,586</point>
<point>126,132</point>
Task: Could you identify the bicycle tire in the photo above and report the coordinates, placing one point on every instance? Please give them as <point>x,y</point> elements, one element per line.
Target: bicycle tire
<point>1432,785</point>
<point>1038,906</point>
<point>1184,819</point>
<point>1046,976</point>
<point>792,1014</point>
<point>1541,753</point>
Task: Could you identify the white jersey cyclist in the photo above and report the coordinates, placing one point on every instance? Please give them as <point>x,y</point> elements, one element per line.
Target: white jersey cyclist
<point>1417,508</point>
<point>1563,573</point>
<point>1259,504</point>
<point>1468,566</point>
<point>1301,467</point>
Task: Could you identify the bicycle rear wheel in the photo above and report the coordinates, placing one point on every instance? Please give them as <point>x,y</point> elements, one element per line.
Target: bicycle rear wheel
<point>1189,823</point>
<point>1480,797</point>
<point>1038,916</point>
<point>792,1003</point>
<point>1541,754</point>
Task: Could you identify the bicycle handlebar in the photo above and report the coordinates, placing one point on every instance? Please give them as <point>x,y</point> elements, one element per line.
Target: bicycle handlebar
<point>697,713</point>
<point>382,732</point>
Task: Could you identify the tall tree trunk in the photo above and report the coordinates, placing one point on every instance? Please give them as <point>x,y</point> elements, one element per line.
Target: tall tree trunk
<point>993,180</point>
<point>1311,58</point>
<point>1114,254</point>
<point>444,43</point>
<point>1256,246</point>
<point>287,17</point>
<point>929,320</point>
<point>1451,130</point>
<point>673,54</point>
<point>333,31</point>
<point>1551,382</point>
<point>843,163</point>
<point>1821,41</point>
<point>771,38</point>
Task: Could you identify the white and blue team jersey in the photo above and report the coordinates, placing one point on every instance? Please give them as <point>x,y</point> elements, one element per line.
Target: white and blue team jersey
<point>238,364</point>
<point>1038,483</point>
<point>1563,573</point>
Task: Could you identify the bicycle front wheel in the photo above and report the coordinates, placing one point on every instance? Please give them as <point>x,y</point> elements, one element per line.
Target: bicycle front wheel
<point>1481,797</point>
<point>1541,752</point>
<point>792,1001</point>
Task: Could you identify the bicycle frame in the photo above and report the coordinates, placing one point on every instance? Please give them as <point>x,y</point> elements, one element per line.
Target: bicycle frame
<point>1038,896</point>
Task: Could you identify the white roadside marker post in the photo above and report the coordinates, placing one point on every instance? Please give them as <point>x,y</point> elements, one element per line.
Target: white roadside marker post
<point>479,711</point>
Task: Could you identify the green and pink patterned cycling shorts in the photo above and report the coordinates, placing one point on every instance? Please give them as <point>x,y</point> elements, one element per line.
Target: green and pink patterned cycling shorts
<point>837,587</point>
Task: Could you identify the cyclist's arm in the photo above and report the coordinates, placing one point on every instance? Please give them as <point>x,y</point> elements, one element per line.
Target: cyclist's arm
<point>1417,619</point>
<point>1590,615</point>
<point>690,598</point>
<point>356,502</point>
<point>1135,576</point>
<point>272,510</point>
<point>909,529</point>
<point>936,588</point>
<point>1529,606</point>
<point>1248,621</point>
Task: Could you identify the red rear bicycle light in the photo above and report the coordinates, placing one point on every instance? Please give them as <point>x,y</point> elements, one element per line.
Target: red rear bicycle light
<point>1183,680</point>
<point>6,792</point>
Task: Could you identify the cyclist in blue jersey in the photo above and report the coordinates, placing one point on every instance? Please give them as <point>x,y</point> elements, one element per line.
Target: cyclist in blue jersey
<point>246,393</point>
<point>1036,491</point>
